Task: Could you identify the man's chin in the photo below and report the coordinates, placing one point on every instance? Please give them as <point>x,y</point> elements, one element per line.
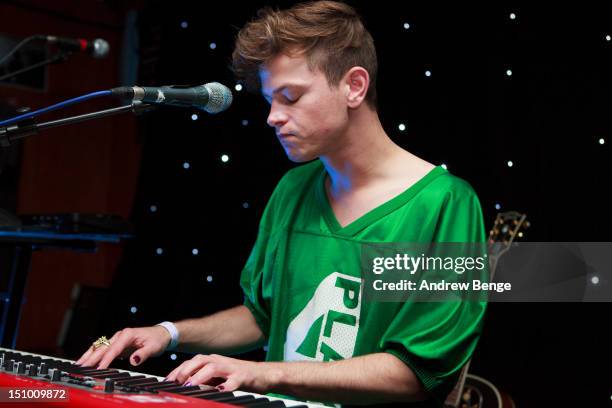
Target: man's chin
<point>299,157</point>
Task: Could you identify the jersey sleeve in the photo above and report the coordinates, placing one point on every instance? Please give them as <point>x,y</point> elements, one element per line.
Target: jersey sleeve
<point>436,339</point>
<point>256,277</point>
<point>252,282</point>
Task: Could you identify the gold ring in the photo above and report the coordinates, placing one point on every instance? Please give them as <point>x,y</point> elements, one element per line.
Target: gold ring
<point>102,341</point>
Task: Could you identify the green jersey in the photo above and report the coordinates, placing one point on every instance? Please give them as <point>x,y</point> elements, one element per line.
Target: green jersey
<point>303,282</point>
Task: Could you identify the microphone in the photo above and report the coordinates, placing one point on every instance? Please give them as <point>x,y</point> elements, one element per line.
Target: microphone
<point>212,97</point>
<point>98,48</point>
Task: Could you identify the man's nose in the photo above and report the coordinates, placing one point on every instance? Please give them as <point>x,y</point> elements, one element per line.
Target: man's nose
<point>276,118</point>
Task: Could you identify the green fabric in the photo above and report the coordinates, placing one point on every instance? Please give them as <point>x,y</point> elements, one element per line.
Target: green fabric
<point>302,280</point>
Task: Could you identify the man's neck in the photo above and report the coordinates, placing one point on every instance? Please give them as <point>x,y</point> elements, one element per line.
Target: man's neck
<point>366,154</point>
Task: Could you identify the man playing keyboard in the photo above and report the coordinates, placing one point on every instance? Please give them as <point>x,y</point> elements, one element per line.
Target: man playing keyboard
<point>316,66</point>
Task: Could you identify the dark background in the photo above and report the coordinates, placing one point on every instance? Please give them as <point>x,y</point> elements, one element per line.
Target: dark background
<point>547,118</point>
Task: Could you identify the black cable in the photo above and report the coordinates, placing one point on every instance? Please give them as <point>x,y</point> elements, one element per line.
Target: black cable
<point>60,56</point>
<point>18,46</point>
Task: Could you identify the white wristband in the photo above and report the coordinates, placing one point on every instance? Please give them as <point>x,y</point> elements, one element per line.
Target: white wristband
<point>174,334</point>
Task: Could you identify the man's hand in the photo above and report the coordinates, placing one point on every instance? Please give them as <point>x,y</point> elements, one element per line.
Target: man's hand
<point>210,368</point>
<point>138,343</point>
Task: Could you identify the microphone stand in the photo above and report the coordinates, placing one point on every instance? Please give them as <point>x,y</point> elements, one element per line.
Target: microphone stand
<point>61,56</point>
<point>27,127</point>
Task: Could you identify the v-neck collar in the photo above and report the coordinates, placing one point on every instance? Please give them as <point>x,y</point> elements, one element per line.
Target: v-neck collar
<point>374,214</point>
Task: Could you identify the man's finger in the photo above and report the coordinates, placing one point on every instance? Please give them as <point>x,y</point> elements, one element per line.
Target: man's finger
<point>85,356</point>
<point>184,371</point>
<point>123,341</point>
<point>141,354</point>
<point>204,375</point>
<point>231,384</point>
<point>97,354</point>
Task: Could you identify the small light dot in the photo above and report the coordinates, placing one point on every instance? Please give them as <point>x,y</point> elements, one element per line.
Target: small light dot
<point>406,26</point>
<point>159,251</point>
<point>184,24</point>
<point>602,141</point>
<point>173,356</point>
<point>186,165</point>
<point>133,309</point>
<point>195,251</point>
<point>245,122</point>
<point>238,87</point>
<point>497,206</point>
<point>194,116</point>
<point>209,278</point>
<point>265,348</point>
<point>509,72</point>
<point>224,158</point>
<point>153,208</point>
<point>510,164</point>
<point>245,205</point>
<point>212,45</point>
<point>595,280</point>
<point>402,127</point>
<point>512,16</point>
<point>443,166</point>
<point>520,235</point>
<point>608,37</point>
<point>428,73</point>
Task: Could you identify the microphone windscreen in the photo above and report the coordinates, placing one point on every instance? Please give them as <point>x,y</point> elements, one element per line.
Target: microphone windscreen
<point>219,97</point>
<point>100,48</point>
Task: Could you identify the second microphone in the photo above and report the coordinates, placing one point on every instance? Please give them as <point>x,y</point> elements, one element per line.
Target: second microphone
<point>212,97</point>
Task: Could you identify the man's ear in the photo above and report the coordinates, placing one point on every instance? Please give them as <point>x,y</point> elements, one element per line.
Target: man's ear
<point>356,82</point>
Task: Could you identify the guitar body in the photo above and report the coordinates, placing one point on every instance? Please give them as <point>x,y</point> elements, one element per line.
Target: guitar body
<point>472,391</point>
<point>480,393</point>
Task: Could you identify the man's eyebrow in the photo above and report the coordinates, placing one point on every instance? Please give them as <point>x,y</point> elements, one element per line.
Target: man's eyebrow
<point>285,86</point>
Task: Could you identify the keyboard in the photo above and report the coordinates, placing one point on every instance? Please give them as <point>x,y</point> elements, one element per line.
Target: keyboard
<point>59,382</point>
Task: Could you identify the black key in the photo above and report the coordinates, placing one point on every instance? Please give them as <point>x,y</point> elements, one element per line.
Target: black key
<point>232,400</point>
<point>182,390</point>
<point>99,374</point>
<point>253,401</point>
<point>160,385</point>
<point>212,396</point>
<point>118,376</point>
<point>133,377</point>
<point>200,392</point>
<point>138,381</point>
<point>268,404</point>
